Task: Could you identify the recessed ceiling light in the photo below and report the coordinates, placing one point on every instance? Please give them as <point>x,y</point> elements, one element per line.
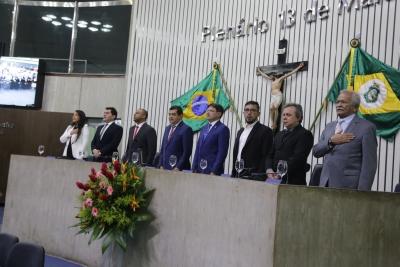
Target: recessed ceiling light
<point>46,18</point>
<point>96,23</point>
<point>105,30</point>
<point>107,26</point>
<point>82,22</point>
<point>69,25</point>
<point>65,18</point>
<point>57,23</point>
<point>51,16</point>
<point>82,25</point>
<point>93,29</point>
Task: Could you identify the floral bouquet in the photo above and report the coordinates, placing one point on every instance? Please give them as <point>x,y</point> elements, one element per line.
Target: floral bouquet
<point>112,201</point>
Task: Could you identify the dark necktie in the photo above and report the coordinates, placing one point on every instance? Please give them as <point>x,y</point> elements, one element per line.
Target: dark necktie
<point>285,133</point>
<point>207,131</point>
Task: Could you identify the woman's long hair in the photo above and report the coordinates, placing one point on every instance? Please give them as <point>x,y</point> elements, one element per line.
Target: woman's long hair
<point>81,123</point>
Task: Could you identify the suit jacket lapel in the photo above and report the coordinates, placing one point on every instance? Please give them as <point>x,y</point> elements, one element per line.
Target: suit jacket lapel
<point>352,124</point>
<point>174,133</point>
<point>141,130</point>
<point>289,135</point>
<point>212,131</point>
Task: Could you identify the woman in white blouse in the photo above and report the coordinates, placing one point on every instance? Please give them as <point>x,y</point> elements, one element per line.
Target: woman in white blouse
<point>76,136</point>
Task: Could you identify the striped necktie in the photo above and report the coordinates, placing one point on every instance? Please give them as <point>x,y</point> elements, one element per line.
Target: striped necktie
<point>207,131</point>
<point>171,132</point>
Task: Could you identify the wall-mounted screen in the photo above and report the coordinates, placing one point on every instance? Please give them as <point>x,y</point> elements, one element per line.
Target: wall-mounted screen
<point>21,82</point>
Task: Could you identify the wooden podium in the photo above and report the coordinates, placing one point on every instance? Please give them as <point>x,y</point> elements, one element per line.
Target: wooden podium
<point>205,220</point>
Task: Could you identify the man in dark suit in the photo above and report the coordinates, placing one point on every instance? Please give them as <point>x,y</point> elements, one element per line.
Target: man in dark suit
<point>141,136</point>
<point>253,142</point>
<point>177,140</point>
<point>213,143</point>
<point>107,137</point>
<point>292,145</point>
<point>349,147</point>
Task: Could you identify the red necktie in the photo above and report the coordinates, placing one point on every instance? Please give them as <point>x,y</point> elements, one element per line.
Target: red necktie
<point>171,132</point>
<point>135,133</point>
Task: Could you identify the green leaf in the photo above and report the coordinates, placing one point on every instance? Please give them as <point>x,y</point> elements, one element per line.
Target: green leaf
<point>95,234</point>
<point>75,225</point>
<point>121,240</point>
<point>143,217</point>
<point>110,237</point>
<point>85,230</point>
<point>131,228</point>
<point>107,229</point>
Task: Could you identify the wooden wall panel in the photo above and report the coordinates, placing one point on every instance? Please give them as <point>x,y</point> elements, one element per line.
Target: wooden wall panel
<point>31,129</point>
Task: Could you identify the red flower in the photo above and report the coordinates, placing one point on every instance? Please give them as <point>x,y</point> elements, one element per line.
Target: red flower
<point>86,187</point>
<point>117,167</point>
<point>103,197</point>
<point>92,178</point>
<point>110,176</point>
<point>93,171</point>
<point>104,168</point>
<point>79,185</point>
<point>96,192</point>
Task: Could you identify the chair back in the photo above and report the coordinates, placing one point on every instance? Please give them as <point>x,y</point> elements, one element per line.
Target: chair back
<point>7,241</point>
<point>156,160</point>
<point>315,175</point>
<point>397,188</point>
<point>26,254</point>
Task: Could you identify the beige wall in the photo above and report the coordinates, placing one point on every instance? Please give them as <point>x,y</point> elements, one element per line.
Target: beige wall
<point>90,93</point>
<point>210,221</point>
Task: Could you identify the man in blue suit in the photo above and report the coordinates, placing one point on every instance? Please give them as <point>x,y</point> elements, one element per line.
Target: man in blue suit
<point>177,140</point>
<point>213,143</point>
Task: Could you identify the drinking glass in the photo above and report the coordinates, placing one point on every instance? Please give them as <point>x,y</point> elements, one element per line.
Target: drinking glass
<point>115,156</point>
<point>282,168</point>
<point>135,157</point>
<point>172,161</point>
<point>41,149</point>
<point>239,166</point>
<point>203,165</point>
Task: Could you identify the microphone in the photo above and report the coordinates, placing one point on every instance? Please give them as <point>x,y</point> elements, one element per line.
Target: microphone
<point>195,166</point>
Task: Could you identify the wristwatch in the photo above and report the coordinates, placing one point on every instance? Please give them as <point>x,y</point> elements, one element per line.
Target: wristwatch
<point>330,144</point>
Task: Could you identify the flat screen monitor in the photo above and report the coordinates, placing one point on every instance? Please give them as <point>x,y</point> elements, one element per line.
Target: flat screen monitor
<point>21,82</point>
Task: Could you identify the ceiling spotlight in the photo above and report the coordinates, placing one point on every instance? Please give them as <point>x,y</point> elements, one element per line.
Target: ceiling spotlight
<point>51,16</point>
<point>65,18</point>
<point>105,30</point>
<point>46,19</point>
<point>107,26</point>
<point>82,25</point>
<point>69,25</point>
<point>82,22</point>
<point>57,23</point>
<point>93,29</point>
<point>96,23</point>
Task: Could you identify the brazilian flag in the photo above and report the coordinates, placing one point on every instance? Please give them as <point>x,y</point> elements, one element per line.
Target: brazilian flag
<point>378,85</point>
<point>195,102</point>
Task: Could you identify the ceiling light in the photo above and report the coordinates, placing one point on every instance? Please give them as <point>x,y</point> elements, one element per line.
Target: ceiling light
<point>93,29</point>
<point>82,25</point>
<point>65,18</point>
<point>57,23</point>
<point>69,25</point>
<point>82,22</point>
<point>46,18</point>
<point>107,26</point>
<point>96,23</point>
<point>51,16</point>
<point>105,30</point>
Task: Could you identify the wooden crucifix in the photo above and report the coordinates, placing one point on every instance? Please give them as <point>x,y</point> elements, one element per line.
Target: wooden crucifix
<point>277,74</point>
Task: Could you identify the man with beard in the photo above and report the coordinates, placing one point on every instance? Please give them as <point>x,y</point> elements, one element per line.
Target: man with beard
<point>349,147</point>
<point>252,142</point>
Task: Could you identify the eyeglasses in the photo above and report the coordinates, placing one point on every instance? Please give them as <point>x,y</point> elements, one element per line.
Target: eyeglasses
<point>252,110</point>
<point>211,110</point>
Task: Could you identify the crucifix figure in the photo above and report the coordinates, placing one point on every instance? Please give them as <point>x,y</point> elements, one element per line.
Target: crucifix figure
<point>276,98</point>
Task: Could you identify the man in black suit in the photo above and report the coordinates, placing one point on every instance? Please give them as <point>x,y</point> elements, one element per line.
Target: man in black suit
<point>253,142</point>
<point>141,136</point>
<point>107,137</point>
<point>292,145</point>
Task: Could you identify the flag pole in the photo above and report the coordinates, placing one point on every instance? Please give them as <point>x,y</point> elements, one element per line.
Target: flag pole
<point>216,66</point>
<point>326,97</point>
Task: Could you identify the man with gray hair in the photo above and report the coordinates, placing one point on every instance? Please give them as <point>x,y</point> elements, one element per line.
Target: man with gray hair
<point>349,147</point>
<point>292,145</point>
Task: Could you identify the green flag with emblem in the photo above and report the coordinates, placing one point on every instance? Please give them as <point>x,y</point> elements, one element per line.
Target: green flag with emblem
<point>379,87</point>
<point>195,102</point>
